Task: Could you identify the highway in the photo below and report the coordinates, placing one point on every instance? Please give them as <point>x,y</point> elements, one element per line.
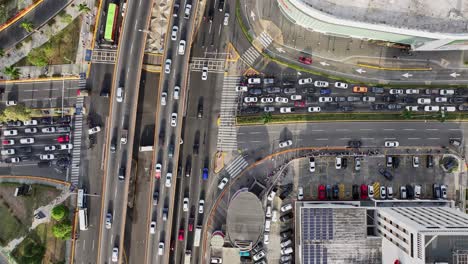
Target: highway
<point>122,116</point>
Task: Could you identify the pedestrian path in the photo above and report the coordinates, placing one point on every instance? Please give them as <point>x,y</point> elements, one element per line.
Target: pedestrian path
<point>77,134</point>
<point>265,39</point>
<point>106,56</point>
<point>250,56</point>
<point>227,133</point>
<point>236,166</point>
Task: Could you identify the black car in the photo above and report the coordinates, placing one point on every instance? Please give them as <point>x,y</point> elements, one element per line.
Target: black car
<point>195,148</point>
<point>155,198</point>
<point>200,111</point>
<point>409,192</point>
<point>386,174</point>
<point>390,98</point>
<point>456,100</point>
<point>285,191</point>
<point>329,192</point>
<point>335,191</point>
<point>288,83</point>
<point>378,106</point>
<point>355,192</point>
<point>346,108</point>
<point>395,162</point>
<point>46,120</point>
<point>409,100</point>
<point>436,190</point>
<point>429,161</point>
<point>354,144</point>
<point>175,10</point>
<point>286,233</point>
<point>289,90</point>
<point>64,120</point>
<point>44,164</point>
<point>286,217</point>
<point>344,163</point>
<point>340,99</point>
<point>273,90</point>
<point>394,106</point>
<point>221,5</point>
<point>25,149</point>
<point>255,91</point>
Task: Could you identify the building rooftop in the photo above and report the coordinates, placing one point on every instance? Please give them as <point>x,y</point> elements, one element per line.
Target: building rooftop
<point>447,16</point>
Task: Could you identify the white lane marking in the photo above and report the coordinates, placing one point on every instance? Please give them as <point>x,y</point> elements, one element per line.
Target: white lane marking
<point>345,138</point>
<point>389,138</point>
<point>241,133</point>
<point>342,129</point>
<point>317,130</point>
<point>321,139</point>
<point>254,133</point>
<point>115,193</point>
<point>219,31</point>
<point>366,129</point>
<point>84,243</point>
<point>432,129</point>
<point>433,138</point>
<point>454,129</point>
<point>389,129</point>
<point>92,247</point>
<point>409,129</point>
<point>256,141</point>
<point>367,138</point>
<point>413,138</point>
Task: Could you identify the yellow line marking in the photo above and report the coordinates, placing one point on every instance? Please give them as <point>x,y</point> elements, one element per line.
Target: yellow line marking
<point>23,13</point>
<point>51,79</point>
<point>370,66</point>
<point>153,54</point>
<point>251,71</point>
<point>233,55</point>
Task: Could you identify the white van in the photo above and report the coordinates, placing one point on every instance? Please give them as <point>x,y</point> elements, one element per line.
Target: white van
<point>120,94</point>
<point>286,251</point>
<point>216,260</point>
<point>274,216</point>
<point>267,225</point>
<point>268,212</point>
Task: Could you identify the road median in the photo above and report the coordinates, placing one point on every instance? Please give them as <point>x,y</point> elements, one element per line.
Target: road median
<point>348,117</point>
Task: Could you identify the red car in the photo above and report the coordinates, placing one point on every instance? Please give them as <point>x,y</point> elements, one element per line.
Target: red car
<point>8,142</point>
<point>299,103</point>
<point>305,60</point>
<point>321,192</point>
<point>181,235</point>
<point>363,191</point>
<point>63,139</point>
<point>190,227</point>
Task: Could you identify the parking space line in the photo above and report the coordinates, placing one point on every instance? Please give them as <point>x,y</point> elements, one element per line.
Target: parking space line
<point>433,138</point>
<point>413,138</point>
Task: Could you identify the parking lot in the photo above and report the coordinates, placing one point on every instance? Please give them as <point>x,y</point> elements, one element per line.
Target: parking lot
<point>40,147</point>
<point>311,94</point>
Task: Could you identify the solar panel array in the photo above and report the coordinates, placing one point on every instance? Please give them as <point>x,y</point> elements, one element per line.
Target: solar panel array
<point>314,254</point>
<point>317,224</point>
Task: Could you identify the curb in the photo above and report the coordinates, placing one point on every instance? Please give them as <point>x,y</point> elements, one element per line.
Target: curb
<point>20,15</point>
<point>51,79</point>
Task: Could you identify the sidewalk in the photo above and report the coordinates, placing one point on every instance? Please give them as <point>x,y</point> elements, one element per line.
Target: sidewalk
<point>42,35</point>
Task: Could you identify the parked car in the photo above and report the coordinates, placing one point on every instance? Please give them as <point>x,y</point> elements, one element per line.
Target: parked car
<point>305,60</point>
<point>313,109</point>
<point>305,81</point>
<point>311,164</point>
<point>341,85</point>
<point>386,174</point>
<point>321,84</point>
<point>392,144</point>
<point>359,89</point>
<point>286,109</point>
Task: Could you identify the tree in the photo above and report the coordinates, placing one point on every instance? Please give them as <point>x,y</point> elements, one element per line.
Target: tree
<point>266,117</point>
<point>59,212</point>
<point>83,8</point>
<point>2,52</point>
<point>12,72</point>
<point>407,114</point>
<point>62,230</point>
<point>16,112</point>
<point>37,58</point>
<point>28,26</point>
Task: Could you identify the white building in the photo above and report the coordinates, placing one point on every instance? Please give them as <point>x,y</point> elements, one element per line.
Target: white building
<point>421,234</point>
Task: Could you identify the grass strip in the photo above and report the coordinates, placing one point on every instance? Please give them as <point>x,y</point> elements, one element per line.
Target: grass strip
<point>291,118</point>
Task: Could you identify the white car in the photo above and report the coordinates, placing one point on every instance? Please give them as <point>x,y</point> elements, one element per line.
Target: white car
<point>338,162</point>
<point>153,227</point>
<point>176,92</point>
<point>296,97</point>
<point>254,81</point>
<point>417,191</point>
<point>341,85</point>
<point>27,141</point>
<point>321,84</point>
<point>324,99</point>
<point>11,102</point>
<point>390,192</point>
<point>267,100</point>
<point>31,122</point>
<point>412,91</point>
<point>30,130</point>
<point>441,99</point>
<point>311,164</point>
<point>46,157</point>
<point>266,239</point>
<point>175,29</point>
<point>448,108</point>
<point>282,100</point>
<point>11,132</point>
<point>259,255</point>
<point>272,194</point>
<point>115,254</point>
<point>424,100</point>
<point>370,191</point>
<point>182,44</point>
<point>286,143</point>
<point>447,92</point>
<point>415,162</point>
<point>391,144</point>
<point>167,66</point>
<point>48,130</point>
<point>50,148</point>
<point>431,108</point>
<point>168,179</point>
<point>305,81</point>
<point>173,119</point>
<point>286,207</point>
<point>226,19</point>
<point>163,98</point>
<point>250,99</point>
<point>286,109</point>
<point>94,130</point>
<point>223,183</point>
<point>313,109</point>
<point>8,151</point>
<point>120,95</point>
<point>201,206</point>
<point>396,91</point>
<point>186,204</point>
<point>108,221</point>
<point>161,248</point>
<point>413,108</point>
<point>368,99</point>
<point>66,146</point>
<point>15,160</point>
<point>241,88</point>
<point>300,193</point>
<point>383,192</point>
<point>204,75</point>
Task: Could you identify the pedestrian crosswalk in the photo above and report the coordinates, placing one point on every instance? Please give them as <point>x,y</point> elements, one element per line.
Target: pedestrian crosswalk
<point>236,166</point>
<point>250,56</point>
<point>214,65</point>
<point>265,39</point>
<point>104,56</point>
<point>77,133</point>
<point>227,133</point>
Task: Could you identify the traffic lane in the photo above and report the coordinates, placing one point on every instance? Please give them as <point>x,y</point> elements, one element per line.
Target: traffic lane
<point>39,86</point>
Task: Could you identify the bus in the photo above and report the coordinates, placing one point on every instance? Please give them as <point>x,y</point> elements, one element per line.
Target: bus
<point>111,21</point>
<point>83,218</point>
<point>80,200</point>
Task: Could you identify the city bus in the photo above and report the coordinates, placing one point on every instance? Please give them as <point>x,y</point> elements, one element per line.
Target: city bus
<point>83,218</point>
<point>80,200</point>
<point>111,21</point>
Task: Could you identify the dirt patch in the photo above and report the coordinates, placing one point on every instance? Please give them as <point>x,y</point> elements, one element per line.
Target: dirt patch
<point>11,226</point>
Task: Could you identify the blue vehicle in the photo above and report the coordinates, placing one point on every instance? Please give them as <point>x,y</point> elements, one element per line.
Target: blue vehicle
<point>205,173</point>
<point>325,91</point>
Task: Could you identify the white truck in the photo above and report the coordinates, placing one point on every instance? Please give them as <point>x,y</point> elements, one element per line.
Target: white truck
<point>196,240</point>
<point>188,257</point>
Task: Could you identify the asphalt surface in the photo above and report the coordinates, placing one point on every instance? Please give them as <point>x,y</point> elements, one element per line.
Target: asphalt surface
<point>371,134</point>
<point>122,116</point>
<point>10,36</point>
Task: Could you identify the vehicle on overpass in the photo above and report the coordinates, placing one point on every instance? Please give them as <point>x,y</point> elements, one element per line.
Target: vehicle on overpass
<point>188,257</point>
<point>111,22</point>
<point>196,240</point>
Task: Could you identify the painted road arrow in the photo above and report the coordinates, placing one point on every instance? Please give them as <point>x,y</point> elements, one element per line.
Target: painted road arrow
<point>324,63</point>
<point>360,71</point>
<point>454,75</point>
<point>407,75</point>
